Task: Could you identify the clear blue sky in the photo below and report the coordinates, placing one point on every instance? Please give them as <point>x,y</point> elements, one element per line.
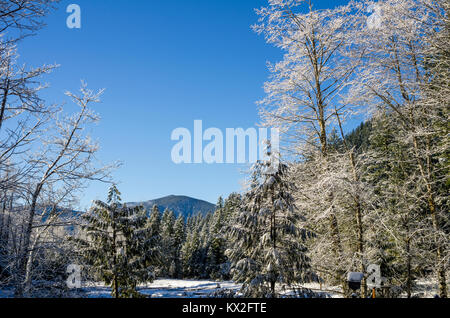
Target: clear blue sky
<point>163,64</point>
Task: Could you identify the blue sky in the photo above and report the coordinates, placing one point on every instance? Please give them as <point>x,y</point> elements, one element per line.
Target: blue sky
<point>163,65</point>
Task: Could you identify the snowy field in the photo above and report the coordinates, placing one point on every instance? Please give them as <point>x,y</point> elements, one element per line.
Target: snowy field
<point>169,288</point>
<point>175,288</point>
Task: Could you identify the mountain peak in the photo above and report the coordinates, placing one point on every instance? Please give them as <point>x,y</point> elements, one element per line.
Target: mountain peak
<point>179,204</point>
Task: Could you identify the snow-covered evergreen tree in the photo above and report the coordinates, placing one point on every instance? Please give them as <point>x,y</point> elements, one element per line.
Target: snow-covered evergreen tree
<point>168,249</point>
<point>267,246</point>
<point>114,244</point>
<point>217,245</point>
<point>179,238</point>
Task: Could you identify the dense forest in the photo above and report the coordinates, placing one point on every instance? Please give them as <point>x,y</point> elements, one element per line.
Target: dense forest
<point>330,202</point>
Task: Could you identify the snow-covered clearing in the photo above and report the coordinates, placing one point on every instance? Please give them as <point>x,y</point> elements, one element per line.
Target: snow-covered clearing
<point>168,288</point>
<point>178,288</point>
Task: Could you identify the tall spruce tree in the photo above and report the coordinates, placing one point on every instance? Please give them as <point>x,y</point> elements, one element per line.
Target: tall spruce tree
<point>167,243</point>
<point>114,244</point>
<point>179,238</point>
<point>267,245</point>
<point>217,244</point>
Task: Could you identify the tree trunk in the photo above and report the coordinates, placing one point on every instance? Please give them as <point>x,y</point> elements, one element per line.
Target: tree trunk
<point>3,105</point>
<point>408,269</point>
<point>25,246</point>
<point>336,238</point>
<point>272,288</point>
<point>358,210</point>
<point>274,242</point>
<point>426,176</point>
<point>440,267</point>
<point>362,267</point>
<point>29,267</point>
<point>359,224</point>
<point>115,280</point>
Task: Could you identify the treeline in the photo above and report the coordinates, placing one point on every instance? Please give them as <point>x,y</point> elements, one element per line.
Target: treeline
<point>195,247</point>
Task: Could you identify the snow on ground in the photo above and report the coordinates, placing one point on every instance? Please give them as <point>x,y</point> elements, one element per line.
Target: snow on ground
<point>168,288</point>
<point>330,291</point>
<point>426,288</point>
<point>177,288</point>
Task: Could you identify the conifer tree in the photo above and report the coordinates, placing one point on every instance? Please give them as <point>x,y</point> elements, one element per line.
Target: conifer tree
<point>179,238</point>
<point>154,222</point>
<point>114,238</point>
<point>167,243</point>
<point>267,240</point>
<point>154,238</point>
<point>217,244</point>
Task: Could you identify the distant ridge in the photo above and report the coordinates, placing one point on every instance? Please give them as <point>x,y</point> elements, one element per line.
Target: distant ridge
<point>180,205</point>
